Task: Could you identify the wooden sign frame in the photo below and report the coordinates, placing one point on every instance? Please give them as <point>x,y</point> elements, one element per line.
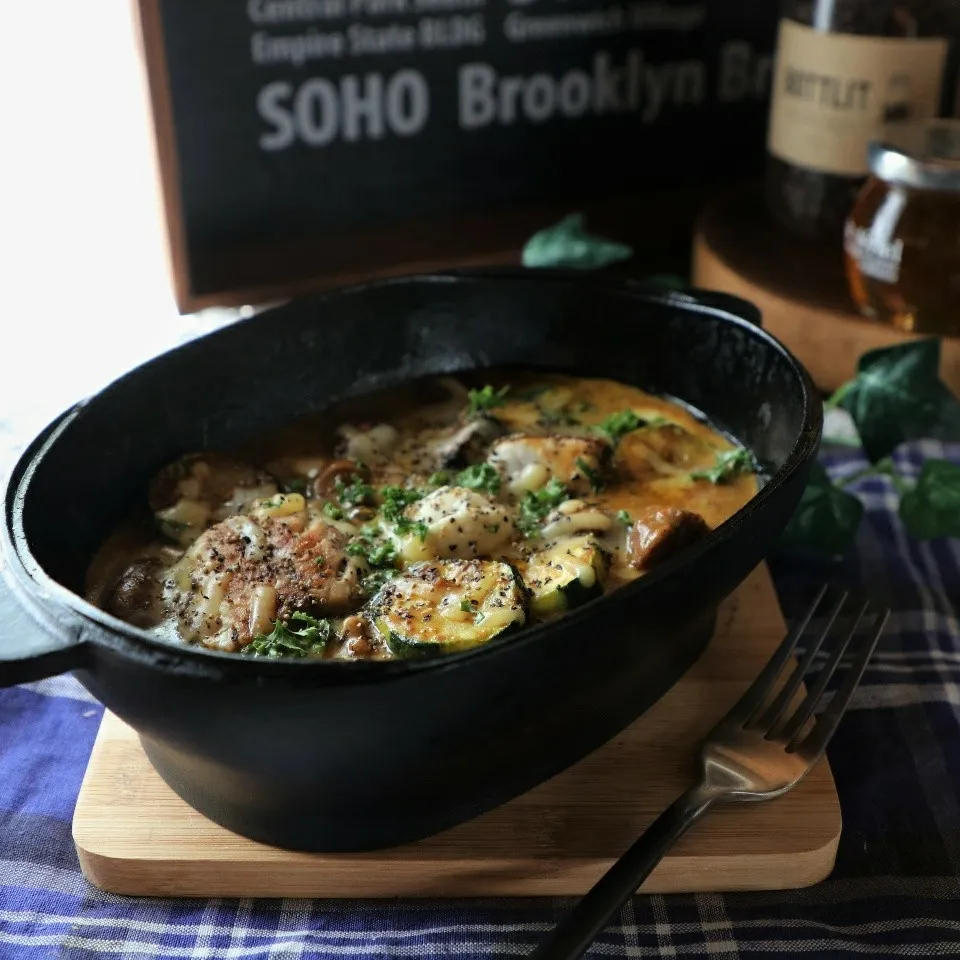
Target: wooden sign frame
<point>496,240</point>
<point>149,31</point>
<point>270,272</point>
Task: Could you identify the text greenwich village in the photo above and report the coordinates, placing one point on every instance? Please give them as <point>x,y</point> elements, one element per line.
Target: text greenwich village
<point>320,111</point>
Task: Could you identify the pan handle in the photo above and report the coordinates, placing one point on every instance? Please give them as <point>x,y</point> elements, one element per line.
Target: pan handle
<point>33,645</point>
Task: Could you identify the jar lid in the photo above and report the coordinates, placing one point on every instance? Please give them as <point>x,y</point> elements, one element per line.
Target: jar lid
<point>919,153</point>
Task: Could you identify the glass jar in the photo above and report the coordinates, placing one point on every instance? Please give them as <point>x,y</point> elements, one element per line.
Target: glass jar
<point>902,238</point>
<point>845,68</point>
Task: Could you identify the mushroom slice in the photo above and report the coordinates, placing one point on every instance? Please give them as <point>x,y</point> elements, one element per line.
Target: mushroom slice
<point>469,443</point>
<point>663,449</point>
<point>528,462</point>
<point>368,444</point>
<point>203,488</point>
<point>137,596</point>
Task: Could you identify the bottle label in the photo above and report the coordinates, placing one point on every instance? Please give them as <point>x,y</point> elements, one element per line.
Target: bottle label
<point>877,257</point>
<point>833,92</point>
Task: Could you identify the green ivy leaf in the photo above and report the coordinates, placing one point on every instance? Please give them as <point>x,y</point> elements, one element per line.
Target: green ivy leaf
<point>932,507</point>
<point>827,518</point>
<point>567,244</point>
<point>897,395</point>
<point>947,426</point>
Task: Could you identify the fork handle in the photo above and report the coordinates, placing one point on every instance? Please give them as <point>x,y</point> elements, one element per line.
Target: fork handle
<point>581,926</point>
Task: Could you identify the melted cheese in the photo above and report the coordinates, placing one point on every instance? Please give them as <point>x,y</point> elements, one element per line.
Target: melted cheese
<point>548,431</point>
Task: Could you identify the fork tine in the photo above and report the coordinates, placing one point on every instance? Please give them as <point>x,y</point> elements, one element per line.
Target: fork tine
<point>754,695</point>
<point>816,741</point>
<point>771,716</point>
<point>793,725</point>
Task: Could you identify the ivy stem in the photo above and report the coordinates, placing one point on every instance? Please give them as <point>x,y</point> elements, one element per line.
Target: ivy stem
<point>839,441</point>
<point>899,484</point>
<point>858,475</point>
<point>882,468</point>
<point>836,398</point>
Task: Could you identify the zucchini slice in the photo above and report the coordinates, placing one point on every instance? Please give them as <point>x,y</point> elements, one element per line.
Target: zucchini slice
<point>448,605</point>
<point>566,574</point>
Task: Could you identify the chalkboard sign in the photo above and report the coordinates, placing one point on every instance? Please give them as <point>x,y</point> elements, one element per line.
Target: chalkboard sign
<point>302,140</point>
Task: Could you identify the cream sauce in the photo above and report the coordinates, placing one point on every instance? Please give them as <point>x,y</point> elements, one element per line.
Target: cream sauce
<point>543,427</point>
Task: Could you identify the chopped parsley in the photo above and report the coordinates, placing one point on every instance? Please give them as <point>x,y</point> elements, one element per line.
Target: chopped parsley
<point>624,517</point>
<point>374,580</point>
<point>536,504</point>
<point>486,399</point>
<point>381,554</point>
<point>296,485</point>
<point>273,502</point>
<point>439,479</point>
<point>418,527</point>
<point>480,476</point>
<point>332,511</point>
<point>286,641</point>
<point>395,501</point>
<point>470,606</point>
<point>353,494</point>
<point>618,424</point>
<point>596,481</point>
<point>727,464</point>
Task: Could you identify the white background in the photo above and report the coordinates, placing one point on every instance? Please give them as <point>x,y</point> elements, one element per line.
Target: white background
<point>83,270</point>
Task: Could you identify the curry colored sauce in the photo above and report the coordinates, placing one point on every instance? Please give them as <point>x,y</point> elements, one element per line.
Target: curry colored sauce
<point>569,486</point>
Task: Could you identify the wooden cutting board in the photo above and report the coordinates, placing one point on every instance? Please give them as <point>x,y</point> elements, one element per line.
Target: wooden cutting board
<point>135,836</point>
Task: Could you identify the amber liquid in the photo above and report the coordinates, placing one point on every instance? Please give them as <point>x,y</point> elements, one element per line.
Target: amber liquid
<point>903,258</point>
<point>811,204</point>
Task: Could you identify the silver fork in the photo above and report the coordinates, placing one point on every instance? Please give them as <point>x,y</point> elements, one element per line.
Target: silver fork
<point>758,751</point>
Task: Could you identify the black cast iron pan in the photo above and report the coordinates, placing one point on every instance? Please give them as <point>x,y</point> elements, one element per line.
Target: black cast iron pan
<point>350,756</point>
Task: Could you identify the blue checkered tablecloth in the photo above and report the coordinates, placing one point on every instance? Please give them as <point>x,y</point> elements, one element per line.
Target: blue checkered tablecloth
<point>896,758</point>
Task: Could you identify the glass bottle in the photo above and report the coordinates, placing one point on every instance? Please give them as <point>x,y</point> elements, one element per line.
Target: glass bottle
<point>844,69</point>
<point>902,238</point>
